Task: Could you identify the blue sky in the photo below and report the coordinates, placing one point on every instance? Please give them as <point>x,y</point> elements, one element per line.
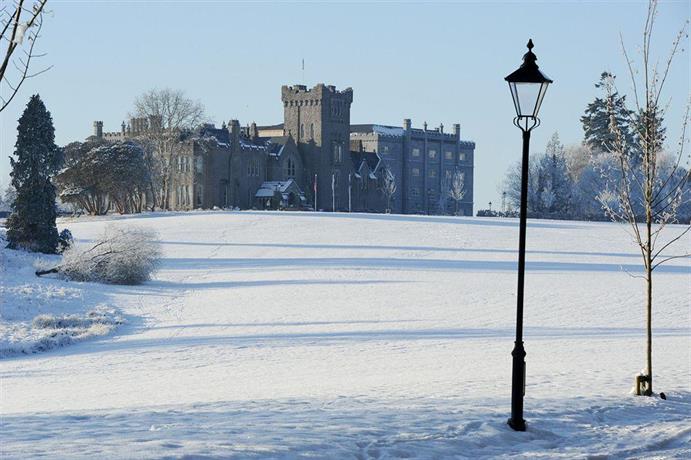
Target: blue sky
<point>440,62</point>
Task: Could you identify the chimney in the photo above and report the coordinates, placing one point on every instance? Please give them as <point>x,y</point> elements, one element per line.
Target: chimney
<point>457,130</point>
<point>253,131</point>
<point>424,126</point>
<point>406,123</point>
<point>234,132</point>
<point>441,128</point>
<point>122,128</point>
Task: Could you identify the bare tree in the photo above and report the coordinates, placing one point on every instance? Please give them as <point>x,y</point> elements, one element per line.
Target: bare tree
<point>645,194</point>
<point>444,188</point>
<point>389,187</point>
<point>170,114</point>
<point>20,28</point>
<point>457,188</point>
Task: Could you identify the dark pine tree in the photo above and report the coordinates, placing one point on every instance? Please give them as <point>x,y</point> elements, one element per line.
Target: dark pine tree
<point>36,159</point>
<point>596,121</point>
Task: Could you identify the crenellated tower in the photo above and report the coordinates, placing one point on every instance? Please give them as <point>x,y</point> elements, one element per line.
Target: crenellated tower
<point>318,120</point>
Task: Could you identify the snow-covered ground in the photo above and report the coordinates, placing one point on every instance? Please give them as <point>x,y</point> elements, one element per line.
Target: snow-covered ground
<point>284,335</point>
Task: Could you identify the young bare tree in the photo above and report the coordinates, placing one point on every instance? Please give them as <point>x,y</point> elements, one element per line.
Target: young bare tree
<point>444,188</point>
<point>647,191</point>
<point>170,114</point>
<point>389,188</point>
<point>20,28</point>
<point>457,188</point>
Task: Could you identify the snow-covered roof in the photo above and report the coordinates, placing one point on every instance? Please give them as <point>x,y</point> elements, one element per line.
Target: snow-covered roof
<point>269,188</point>
<point>382,130</point>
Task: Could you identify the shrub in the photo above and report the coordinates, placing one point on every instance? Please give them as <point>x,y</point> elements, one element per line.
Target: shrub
<point>65,241</point>
<point>120,256</point>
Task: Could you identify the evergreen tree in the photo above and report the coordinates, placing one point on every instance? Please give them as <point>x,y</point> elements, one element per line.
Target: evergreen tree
<point>596,121</point>
<point>31,225</point>
<point>649,126</point>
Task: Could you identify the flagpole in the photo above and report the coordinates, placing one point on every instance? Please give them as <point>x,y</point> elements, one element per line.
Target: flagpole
<point>350,188</point>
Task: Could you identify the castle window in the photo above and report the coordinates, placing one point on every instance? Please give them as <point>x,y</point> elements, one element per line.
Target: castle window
<point>338,152</point>
<point>415,191</point>
<point>415,172</point>
<point>461,156</point>
<point>416,152</point>
<point>290,168</point>
<point>432,154</point>
<point>385,149</point>
<point>432,173</point>
<point>311,130</point>
<point>199,165</point>
<point>302,131</point>
<point>448,155</point>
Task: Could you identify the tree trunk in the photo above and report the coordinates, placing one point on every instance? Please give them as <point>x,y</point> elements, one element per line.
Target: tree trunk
<point>649,305</point>
<point>45,272</point>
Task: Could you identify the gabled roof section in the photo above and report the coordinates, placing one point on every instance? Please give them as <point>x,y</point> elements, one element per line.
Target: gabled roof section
<point>365,163</point>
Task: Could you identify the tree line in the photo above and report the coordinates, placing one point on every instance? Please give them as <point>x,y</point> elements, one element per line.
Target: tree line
<point>573,182</point>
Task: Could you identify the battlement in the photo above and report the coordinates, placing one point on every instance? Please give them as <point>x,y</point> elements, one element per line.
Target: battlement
<point>300,94</point>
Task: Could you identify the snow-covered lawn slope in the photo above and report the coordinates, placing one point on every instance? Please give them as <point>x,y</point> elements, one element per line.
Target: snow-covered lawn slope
<point>283,335</point>
<point>38,314</point>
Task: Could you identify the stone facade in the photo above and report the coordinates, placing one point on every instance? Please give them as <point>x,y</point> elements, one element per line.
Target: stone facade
<point>422,162</point>
<point>316,149</point>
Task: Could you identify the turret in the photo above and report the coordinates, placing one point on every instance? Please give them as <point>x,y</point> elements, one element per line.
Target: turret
<point>98,129</point>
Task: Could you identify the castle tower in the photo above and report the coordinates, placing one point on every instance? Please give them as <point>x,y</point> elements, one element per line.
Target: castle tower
<point>98,129</point>
<point>318,120</point>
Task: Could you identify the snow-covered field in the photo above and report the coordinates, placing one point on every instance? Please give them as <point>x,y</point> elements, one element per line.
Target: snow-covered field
<point>284,335</point>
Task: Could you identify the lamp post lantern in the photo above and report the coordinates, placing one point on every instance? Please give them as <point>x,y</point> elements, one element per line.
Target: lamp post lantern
<point>528,86</point>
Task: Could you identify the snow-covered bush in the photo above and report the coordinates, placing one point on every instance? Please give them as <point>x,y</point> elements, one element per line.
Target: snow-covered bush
<point>65,241</point>
<point>121,256</point>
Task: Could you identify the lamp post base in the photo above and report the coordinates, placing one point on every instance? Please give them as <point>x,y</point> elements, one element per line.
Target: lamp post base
<point>517,425</point>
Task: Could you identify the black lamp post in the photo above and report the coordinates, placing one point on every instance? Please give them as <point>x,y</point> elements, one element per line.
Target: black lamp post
<point>528,86</point>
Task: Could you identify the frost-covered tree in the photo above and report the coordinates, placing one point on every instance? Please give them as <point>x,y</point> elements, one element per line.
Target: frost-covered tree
<point>20,28</point>
<point>388,187</point>
<point>591,180</point>
<point>596,119</point>
<point>36,159</point>
<point>512,185</point>
<point>457,188</point>
<point>170,114</point>
<point>646,194</point>
<point>120,256</point>
<point>554,182</point>
<point>9,196</point>
<point>99,175</point>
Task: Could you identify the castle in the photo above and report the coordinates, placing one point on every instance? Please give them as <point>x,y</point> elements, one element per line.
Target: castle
<point>315,157</point>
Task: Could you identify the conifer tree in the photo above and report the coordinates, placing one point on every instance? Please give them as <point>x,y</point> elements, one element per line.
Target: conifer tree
<point>36,159</point>
<point>596,120</point>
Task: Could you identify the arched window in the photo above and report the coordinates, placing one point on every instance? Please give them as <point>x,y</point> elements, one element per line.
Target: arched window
<point>311,130</point>
<point>302,131</point>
